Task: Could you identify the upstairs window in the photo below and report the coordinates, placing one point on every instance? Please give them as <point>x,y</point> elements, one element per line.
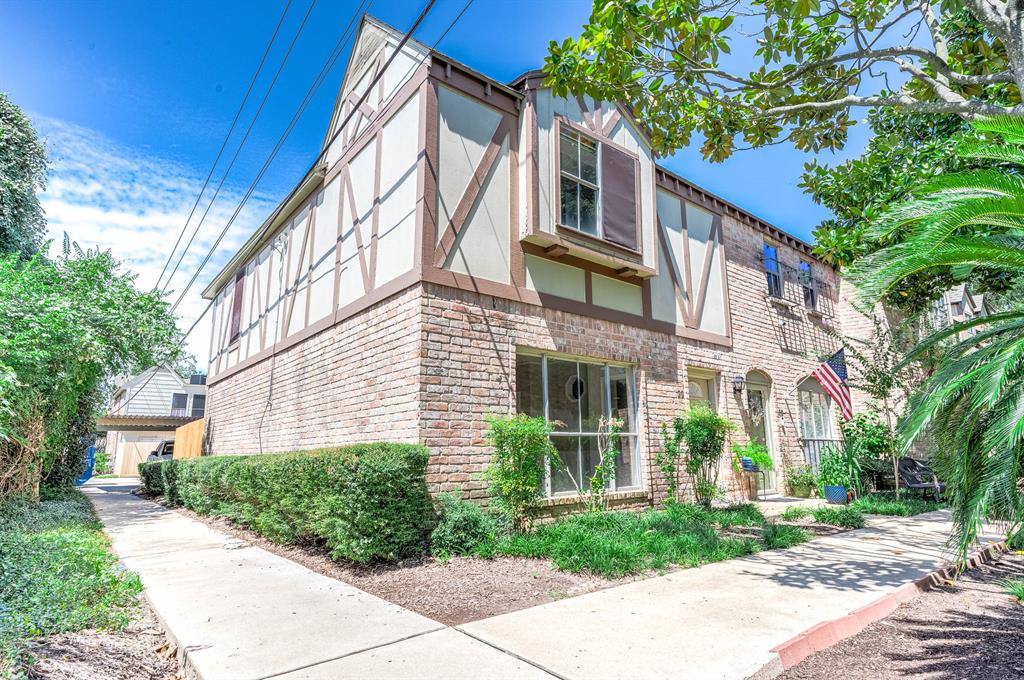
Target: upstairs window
<point>236,307</point>
<point>198,405</point>
<point>772,272</point>
<point>179,403</point>
<point>807,283</point>
<point>597,188</point>
<point>579,183</point>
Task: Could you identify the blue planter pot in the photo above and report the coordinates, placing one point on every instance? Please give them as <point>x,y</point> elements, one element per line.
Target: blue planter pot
<point>836,495</point>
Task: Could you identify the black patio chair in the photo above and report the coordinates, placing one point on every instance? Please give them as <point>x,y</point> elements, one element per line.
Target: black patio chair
<point>916,475</point>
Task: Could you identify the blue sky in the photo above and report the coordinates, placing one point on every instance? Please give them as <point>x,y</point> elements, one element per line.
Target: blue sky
<point>134,100</point>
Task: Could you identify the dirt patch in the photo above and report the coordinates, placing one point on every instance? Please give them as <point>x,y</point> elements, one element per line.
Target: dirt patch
<point>970,629</point>
<point>808,524</point>
<point>140,652</point>
<point>457,591</point>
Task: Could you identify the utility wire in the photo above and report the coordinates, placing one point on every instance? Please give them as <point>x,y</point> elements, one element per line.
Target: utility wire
<point>224,144</point>
<point>241,144</point>
<point>287,132</point>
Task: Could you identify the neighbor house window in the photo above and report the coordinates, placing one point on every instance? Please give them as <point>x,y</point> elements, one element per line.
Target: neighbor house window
<point>575,395</point>
<point>579,187</point>
<point>771,270</point>
<point>198,405</point>
<point>807,283</point>
<point>179,403</point>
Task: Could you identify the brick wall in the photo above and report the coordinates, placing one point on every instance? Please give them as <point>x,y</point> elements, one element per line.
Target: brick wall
<point>355,382</point>
<point>431,363</point>
<point>469,344</point>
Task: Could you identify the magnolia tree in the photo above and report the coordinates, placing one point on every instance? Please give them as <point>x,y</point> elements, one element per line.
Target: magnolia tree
<point>815,61</point>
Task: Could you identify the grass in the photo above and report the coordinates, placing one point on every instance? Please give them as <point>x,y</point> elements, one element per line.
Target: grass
<point>57,574</point>
<point>889,504</point>
<point>1015,588</point>
<point>618,543</point>
<point>777,536</point>
<point>843,516</point>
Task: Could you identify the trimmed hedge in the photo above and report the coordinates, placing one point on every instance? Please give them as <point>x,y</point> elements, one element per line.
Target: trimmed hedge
<point>152,478</point>
<point>365,502</point>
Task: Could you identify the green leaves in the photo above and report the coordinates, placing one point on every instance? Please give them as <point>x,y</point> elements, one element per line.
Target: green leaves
<point>973,403</point>
<point>665,58</point>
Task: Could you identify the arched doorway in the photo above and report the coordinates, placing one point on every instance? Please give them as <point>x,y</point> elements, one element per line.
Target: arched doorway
<point>759,426</point>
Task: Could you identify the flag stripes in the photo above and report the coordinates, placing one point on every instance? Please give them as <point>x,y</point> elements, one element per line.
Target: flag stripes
<point>831,374</point>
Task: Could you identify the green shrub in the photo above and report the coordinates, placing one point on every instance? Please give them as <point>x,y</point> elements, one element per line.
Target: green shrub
<point>843,516</point>
<point>169,473</point>
<point>365,502</point>
<point>516,471</point>
<point>1014,587</point>
<point>838,467</point>
<point>757,453</point>
<point>704,432</point>
<point>889,504</point>
<point>463,528</point>
<point>57,573</point>
<point>801,475</point>
<point>152,478</point>
<point>783,535</point>
<point>1015,541</point>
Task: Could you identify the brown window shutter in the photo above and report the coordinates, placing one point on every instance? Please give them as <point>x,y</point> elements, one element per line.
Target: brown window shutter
<point>618,197</point>
<point>236,306</point>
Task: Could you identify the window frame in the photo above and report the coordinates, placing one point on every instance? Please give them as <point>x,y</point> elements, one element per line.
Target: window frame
<point>184,408</point>
<point>564,129</point>
<point>634,433</point>
<point>805,274</point>
<point>192,406</point>
<point>772,275</point>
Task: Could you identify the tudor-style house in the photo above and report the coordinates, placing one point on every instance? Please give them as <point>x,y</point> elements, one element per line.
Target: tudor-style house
<point>469,247</point>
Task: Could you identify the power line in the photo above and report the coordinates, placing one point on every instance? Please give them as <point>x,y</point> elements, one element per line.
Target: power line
<point>287,132</point>
<point>241,144</point>
<point>224,144</point>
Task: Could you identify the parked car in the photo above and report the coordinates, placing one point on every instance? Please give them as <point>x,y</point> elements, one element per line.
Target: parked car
<point>163,451</point>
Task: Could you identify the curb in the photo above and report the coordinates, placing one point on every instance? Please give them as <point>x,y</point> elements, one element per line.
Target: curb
<point>828,633</point>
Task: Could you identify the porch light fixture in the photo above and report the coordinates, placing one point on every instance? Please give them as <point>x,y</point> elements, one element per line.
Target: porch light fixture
<point>737,384</point>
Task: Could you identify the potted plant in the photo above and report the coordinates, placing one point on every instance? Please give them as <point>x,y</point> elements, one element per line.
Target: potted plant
<point>760,458</point>
<point>838,476</point>
<point>802,480</point>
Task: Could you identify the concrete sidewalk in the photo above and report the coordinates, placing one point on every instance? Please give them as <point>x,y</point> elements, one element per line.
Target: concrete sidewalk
<point>241,612</point>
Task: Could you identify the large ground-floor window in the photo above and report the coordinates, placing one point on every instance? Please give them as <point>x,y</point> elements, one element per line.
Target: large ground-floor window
<point>575,395</point>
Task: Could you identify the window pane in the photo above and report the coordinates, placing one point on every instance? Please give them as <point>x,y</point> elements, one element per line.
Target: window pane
<point>530,386</point>
<point>564,389</point>
<point>593,401</point>
<point>570,203</point>
<point>771,259</point>
<point>588,160</point>
<point>624,472</point>
<point>588,210</point>
<point>591,458</point>
<point>569,153</point>
<point>568,451</point>
<point>198,404</point>
<point>622,397</point>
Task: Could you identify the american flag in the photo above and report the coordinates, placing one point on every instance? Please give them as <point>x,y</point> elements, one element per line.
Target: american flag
<point>832,376</point>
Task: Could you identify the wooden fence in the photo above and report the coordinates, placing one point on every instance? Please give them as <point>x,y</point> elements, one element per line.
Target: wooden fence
<point>188,440</point>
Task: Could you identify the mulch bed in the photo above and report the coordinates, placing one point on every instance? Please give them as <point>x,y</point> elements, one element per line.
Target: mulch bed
<point>453,592</point>
<point>969,629</point>
<point>140,652</point>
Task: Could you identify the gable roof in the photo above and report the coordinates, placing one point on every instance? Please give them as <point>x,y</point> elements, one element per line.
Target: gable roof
<point>371,35</point>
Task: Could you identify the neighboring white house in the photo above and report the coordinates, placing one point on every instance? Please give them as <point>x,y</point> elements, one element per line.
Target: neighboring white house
<point>145,410</point>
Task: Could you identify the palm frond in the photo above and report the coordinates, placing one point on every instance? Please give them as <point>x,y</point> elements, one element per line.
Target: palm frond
<point>1010,128</point>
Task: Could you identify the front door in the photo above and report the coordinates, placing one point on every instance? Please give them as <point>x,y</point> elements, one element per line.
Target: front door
<point>757,407</point>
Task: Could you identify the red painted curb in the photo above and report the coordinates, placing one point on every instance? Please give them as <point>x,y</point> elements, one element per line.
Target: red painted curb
<point>825,634</point>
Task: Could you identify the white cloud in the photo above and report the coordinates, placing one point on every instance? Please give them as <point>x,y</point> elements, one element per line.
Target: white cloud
<point>135,204</point>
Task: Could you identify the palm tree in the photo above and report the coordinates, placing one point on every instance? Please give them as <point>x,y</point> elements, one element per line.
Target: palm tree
<point>973,403</point>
